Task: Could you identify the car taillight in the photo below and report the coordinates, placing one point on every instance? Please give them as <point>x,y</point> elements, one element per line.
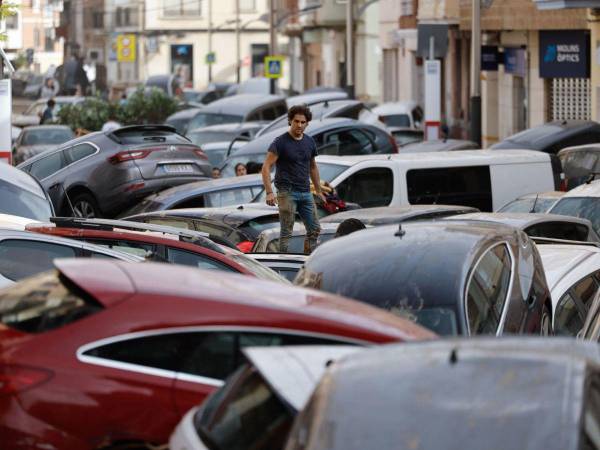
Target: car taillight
<point>393,143</point>
<point>128,156</point>
<point>14,378</point>
<point>245,246</point>
<point>200,153</point>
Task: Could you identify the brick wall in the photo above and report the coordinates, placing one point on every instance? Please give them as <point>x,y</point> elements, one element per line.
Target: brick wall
<point>522,15</point>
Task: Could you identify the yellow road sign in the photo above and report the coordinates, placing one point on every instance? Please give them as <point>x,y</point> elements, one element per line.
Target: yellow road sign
<point>274,66</point>
<point>126,48</point>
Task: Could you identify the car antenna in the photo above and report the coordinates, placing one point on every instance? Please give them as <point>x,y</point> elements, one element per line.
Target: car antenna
<point>534,203</point>
<point>68,199</point>
<point>400,233</point>
<point>325,106</point>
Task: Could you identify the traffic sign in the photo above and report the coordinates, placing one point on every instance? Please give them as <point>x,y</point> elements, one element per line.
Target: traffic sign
<point>210,58</point>
<point>274,66</point>
<point>126,48</point>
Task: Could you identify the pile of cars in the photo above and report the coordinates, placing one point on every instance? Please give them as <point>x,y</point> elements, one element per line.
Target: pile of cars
<point>145,301</point>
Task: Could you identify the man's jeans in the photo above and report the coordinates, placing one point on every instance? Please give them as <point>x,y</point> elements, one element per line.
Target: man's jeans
<point>289,203</point>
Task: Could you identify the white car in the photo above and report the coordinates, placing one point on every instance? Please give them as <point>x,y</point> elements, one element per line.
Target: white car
<point>583,201</point>
<point>532,203</point>
<point>573,277</point>
<point>400,114</point>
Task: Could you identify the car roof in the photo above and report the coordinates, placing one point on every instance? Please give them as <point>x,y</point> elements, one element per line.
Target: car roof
<point>562,260</point>
<point>479,393</point>
<point>240,104</point>
<point>45,127</point>
<point>521,220</point>
<point>416,249</point>
<point>21,179</point>
<point>242,291</point>
<point>439,145</point>
<point>547,194</point>
<point>315,97</point>
<point>591,189</point>
<point>544,135</point>
<point>404,107</point>
<point>449,158</point>
<point>393,213</point>
<point>292,372</point>
<point>185,114</point>
<point>231,127</point>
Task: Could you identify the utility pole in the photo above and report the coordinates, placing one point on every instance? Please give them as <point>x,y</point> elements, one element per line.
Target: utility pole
<point>476,72</point>
<point>209,40</point>
<point>237,41</point>
<point>272,40</point>
<point>349,48</point>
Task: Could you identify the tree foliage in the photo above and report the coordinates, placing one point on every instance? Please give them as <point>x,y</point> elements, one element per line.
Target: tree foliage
<point>7,9</point>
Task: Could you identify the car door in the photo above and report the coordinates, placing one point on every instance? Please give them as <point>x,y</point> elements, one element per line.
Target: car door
<point>51,171</point>
<point>572,308</point>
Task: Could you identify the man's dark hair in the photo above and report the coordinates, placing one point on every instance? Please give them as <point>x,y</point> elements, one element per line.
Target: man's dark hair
<point>50,103</point>
<point>299,109</point>
<point>349,226</point>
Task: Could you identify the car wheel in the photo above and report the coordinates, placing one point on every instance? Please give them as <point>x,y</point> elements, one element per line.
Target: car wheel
<point>84,205</point>
<point>545,322</point>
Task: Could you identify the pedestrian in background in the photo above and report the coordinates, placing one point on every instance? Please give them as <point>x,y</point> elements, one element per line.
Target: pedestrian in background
<point>216,172</point>
<point>240,170</point>
<point>293,154</point>
<point>48,114</point>
<point>49,89</point>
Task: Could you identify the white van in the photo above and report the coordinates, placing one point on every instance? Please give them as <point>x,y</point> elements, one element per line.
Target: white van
<point>484,179</point>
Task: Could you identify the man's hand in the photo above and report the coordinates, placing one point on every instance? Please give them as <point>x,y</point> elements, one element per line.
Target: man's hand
<point>321,196</point>
<point>271,201</point>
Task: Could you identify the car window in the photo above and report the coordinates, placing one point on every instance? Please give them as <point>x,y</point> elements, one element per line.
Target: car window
<point>44,303</point>
<point>197,201</point>
<point>346,142</point>
<point>133,248</point>
<point>269,113</point>
<point>44,167</point>
<point>584,207</point>
<point>465,186</point>
<point>368,187</point>
<point>229,197</point>
<point>23,258</point>
<point>487,290</point>
<point>559,230</point>
<point>46,136</point>
<point>397,120</point>
<point>185,258</point>
<point>21,202</point>
<point>80,151</point>
<point>169,222</point>
<point>585,290</point>
<point>567,319</point>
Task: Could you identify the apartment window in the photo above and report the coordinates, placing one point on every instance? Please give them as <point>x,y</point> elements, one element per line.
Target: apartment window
<point>12,22</point>
<point>407,7</point>
<point>123,17</point>
<point>36,37</point>
<point>182,8</point>
<point>98,19</point>
<point>49,40</point>
<point>247,5</point>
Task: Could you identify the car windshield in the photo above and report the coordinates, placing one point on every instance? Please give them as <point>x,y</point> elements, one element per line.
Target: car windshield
<point>259,270</point>
<point>204,137</point>
<point>584,207</point>
<point>43,302</point>
<point>228,169</point>
<point>247,415</point>
<point>20,202</point>
<point>328,172</point>
<point>396,120</point>
<point>206,119</point>
<point>179,124</point>
<point>47,136</point>
<point>528,205</point>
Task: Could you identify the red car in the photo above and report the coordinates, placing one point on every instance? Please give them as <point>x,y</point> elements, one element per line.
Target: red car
<point>104,353</point>
<point>162,243</point>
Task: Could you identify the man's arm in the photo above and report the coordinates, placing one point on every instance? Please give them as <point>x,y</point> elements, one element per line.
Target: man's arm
<point>316,179</point>
<point>266,177</point>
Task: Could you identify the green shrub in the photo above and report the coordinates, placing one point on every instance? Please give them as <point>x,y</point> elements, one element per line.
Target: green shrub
<point>90,114</point>
<point>146,107</point>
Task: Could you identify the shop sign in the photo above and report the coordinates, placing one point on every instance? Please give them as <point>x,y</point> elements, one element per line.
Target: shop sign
<point>490,57</point>
<point>514,61</point>
<point>564,54</point>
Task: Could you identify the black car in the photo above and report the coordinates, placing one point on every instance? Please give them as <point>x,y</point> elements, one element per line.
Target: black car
<point>103,173</point>
<point>239,225</point>
<point>202,194</point>
<point>458,394</point>
<point>454,277</point>
<point>334,136</point>
<point>553,136</point>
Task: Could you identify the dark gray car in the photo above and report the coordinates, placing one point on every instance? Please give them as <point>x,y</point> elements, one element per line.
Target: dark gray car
<point>36,139</point>
<point>103,173</point>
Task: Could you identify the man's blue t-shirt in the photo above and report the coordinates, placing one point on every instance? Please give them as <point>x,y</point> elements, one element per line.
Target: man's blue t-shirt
<point>292,168</point>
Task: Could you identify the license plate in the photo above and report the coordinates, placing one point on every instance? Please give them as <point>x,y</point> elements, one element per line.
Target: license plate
<point>178,168</point>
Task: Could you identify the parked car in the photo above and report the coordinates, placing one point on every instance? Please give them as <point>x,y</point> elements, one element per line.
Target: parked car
<point>453,277</point>
<point>268,417</point>
<point>205,97</point>
<point>268,240</point>
<point>583,201</point>
<point>439,145</point>
<point>387,215</point>
<point>335,136</point>
<point>284,264</point>
<point>168,83</point>
<point>573,276</point>
<point>580,164</point>
<point>118,352</point>
<point>202,194</point>
<point>218,152</point>
<point>14,134</point>
<point>158,243</point>
<point>511,393</point>
<point>36,139</point>
<point>345,108</point>
<point>475,178</point>
<point>406,135</point>
<point>138,160</point>
<point>240,225</point>
<point>181,119</point>
<point>22,195</point>
<point>225,132</point>
<point>552,226</point>
<point>315,97</point>
<point>400,114</point>
<point>532,203</point>
<point>239,108</point>
<point>33,113</point>
<point>553,136</point>
<point>23,254</point>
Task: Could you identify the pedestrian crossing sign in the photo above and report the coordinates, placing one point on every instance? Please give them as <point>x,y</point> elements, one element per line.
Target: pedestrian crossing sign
<point>274,66</point>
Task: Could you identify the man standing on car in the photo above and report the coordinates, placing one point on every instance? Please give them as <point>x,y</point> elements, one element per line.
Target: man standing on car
<point>293,154</point>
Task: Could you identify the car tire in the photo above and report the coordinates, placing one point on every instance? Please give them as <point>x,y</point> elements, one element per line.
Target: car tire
<point>546,322</point>
<point>85,205</point>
